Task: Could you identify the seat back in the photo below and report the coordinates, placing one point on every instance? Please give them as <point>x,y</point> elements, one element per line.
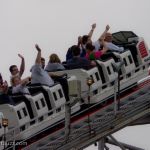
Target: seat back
<point>129,64</point>
<point>107,71</point>
<point>18,98</point>
<point>38,104</point>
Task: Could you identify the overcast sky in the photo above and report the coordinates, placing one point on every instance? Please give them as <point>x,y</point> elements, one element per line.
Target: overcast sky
<point>56,24</point>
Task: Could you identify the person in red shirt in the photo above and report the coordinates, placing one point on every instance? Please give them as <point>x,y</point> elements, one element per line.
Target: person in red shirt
<point>91,54</point>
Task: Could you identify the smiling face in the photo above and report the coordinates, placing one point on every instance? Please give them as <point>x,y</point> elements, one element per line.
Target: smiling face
<point>14,69</point>
<point>16,80</point>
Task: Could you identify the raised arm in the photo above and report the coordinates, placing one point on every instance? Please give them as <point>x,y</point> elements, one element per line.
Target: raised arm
<point>38,57</point>
<point>25,81</point>
<point>105,49</point>
<point>22,66</point>
<point>102,37</point>
<point>79,41</point>
<point>92,30</point>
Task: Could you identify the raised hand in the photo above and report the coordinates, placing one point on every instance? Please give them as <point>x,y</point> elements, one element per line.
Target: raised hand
<point>93,26</point>
<point>37,47</point>
<point>20,56</point>
<point>107,27</point>
<point>79,39</point>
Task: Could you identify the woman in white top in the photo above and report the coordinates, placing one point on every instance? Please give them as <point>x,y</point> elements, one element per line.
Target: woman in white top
<point>19,86</point>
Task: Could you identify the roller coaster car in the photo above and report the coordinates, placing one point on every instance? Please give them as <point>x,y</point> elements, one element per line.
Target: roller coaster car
<point>136,58</point>
<point>45,106</point>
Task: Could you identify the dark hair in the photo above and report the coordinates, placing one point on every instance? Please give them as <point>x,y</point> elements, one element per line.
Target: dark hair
<point>43,59</point>
<point>85,39</point>
<point>75,50</point>
<point>89,46</point>
<point>11,67</point>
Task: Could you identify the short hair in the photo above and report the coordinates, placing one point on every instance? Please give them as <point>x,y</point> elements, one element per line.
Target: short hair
<point>42,59</point>
<point>53,58</point>
<point>85,39</point>
<point>11,67</point>
<point>89,46</point>
<point>75,50</point>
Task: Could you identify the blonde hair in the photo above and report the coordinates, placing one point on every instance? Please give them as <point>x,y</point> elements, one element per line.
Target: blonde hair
<point>53,58</point>
<point>13,79</point>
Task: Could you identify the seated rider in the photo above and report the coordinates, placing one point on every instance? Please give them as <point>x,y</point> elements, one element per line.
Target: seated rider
<point>19,86</point>
<point>54,63</point>
<point>82,41</point>
<point>112,47</point>
<point>107,36</point>
<point>91,54</point>
<point>3,87</point>
<point>38,74</point>
<point>14,69</point>
<point>4,97</point>
<point>77,61</point>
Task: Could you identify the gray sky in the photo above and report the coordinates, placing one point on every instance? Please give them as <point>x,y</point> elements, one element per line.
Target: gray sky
<point>56,24</point>
<point>136,136</point>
